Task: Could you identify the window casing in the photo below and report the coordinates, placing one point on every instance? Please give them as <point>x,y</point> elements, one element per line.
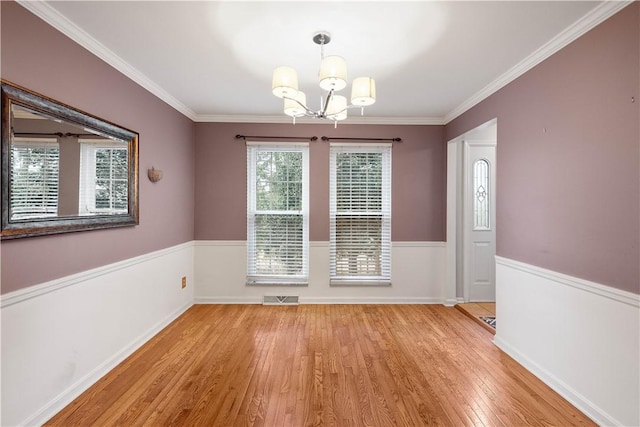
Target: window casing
<point>103,178</point>
<point>360,214</point>
<point>277,214</point>
<point>34,178</point>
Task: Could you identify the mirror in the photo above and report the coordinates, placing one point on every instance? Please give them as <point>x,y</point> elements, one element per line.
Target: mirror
<point>63,170</point>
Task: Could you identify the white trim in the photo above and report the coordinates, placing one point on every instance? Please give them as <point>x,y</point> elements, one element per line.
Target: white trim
<point>54,18</point>
<point>369,300</point>
<point>582,284</point>
<point>455,201</point>
<point>21,295</point>
<point>60,22</point>
<point>323,300</point>
<point>403,121</point>
<point>454,158</point>
<point>450,302</point>
<point>228,300</point>
<point>566,391</point>
<point>67,396</point>
<point>420,244</point>
<point>323,243</point>
<point>560,327</point>
<point>595,17</point>
<point>206,243</point>
<point>97,324</point>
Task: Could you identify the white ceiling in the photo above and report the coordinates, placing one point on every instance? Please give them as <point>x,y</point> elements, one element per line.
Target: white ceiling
<point>213,60</point>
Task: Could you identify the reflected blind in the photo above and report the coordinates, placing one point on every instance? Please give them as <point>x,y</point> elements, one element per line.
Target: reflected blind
<point>360,214</point>
<point>34,178</point>
<point>277,214</point>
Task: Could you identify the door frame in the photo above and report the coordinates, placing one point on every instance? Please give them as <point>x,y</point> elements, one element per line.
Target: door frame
<point>467,211</point>
<point>454,286</point>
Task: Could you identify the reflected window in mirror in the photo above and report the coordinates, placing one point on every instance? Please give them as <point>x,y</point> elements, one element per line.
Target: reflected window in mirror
<point>34,177</point>
<point>63,169</point>
<point>103,177</point>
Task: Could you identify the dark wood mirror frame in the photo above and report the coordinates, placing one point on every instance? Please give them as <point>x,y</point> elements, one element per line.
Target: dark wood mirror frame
<point>15,228</point>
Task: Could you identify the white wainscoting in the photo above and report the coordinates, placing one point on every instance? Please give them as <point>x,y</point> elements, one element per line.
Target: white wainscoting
<point>417,269</point>
<point>60,337</point>
<point>579,337</point>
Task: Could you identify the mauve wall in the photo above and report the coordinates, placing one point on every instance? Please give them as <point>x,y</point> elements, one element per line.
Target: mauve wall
<point>38,57</point>
<point>568,157</point>
<point>418,178</point>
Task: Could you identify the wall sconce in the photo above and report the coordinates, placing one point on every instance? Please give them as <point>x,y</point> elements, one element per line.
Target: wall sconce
<point>154,174</point>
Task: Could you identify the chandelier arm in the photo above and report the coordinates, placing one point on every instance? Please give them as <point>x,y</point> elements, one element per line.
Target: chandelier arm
<point>326,104</point>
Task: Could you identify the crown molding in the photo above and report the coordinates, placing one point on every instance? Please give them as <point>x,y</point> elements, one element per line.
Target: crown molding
<point>595,17</point>
<point>58,21</point>
<point>221,118</point>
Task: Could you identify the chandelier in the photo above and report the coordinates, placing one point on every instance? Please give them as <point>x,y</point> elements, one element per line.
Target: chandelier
<point>332,78</point>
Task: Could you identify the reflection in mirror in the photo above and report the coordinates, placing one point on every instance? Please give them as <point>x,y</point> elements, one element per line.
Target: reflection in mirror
<point>63,170</point>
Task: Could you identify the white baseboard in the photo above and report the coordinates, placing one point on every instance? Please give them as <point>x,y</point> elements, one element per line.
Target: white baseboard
<point>61,336</point>
<point>228,300</point>
<point>581,338</point>
<point>68,395</point>
<point>450,302</point>
<point>371,300</point>
<point>322,300</point>
<point>566,391</point>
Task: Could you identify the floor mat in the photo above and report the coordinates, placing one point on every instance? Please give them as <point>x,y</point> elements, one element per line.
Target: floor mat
<point>490,320</point>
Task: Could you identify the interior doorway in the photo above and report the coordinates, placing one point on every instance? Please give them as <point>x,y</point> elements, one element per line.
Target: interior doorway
<point>471,219</point>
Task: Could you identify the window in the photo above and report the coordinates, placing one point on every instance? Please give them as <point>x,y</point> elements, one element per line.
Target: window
<point>103,178</point>
<point>360,211</point>
<point>481,195</point>
<point>34,178</point>
<point>277,214</point>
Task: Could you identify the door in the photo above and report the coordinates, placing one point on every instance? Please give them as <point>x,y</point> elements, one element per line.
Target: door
<point>479,236</point>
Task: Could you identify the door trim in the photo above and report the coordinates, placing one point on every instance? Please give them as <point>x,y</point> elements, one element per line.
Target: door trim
<point>454,292</point>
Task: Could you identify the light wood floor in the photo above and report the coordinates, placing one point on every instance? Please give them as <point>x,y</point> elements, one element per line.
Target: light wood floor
<point>321,365</point>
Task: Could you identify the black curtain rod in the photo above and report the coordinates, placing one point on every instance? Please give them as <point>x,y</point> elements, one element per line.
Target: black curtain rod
<point>310,138</point>
<point>326,138</point>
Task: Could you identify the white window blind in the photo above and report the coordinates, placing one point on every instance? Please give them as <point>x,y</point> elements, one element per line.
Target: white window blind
<point>277,214</point>
<point>360,214</point>
<point>104,184</point>
<point>34,178</point>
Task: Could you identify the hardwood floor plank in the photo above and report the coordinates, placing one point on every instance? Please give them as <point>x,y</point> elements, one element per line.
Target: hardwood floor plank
<point>320,365</point>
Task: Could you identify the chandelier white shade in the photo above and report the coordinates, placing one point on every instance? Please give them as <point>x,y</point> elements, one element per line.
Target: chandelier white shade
<point>285,82</point>
<point>294,106</point>
<point>363,91</point>
<point>332,77</point>
<point>333,73</point>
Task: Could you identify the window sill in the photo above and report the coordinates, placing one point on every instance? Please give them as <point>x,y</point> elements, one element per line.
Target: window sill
<point>338,282</point>
<point>277,284</point>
